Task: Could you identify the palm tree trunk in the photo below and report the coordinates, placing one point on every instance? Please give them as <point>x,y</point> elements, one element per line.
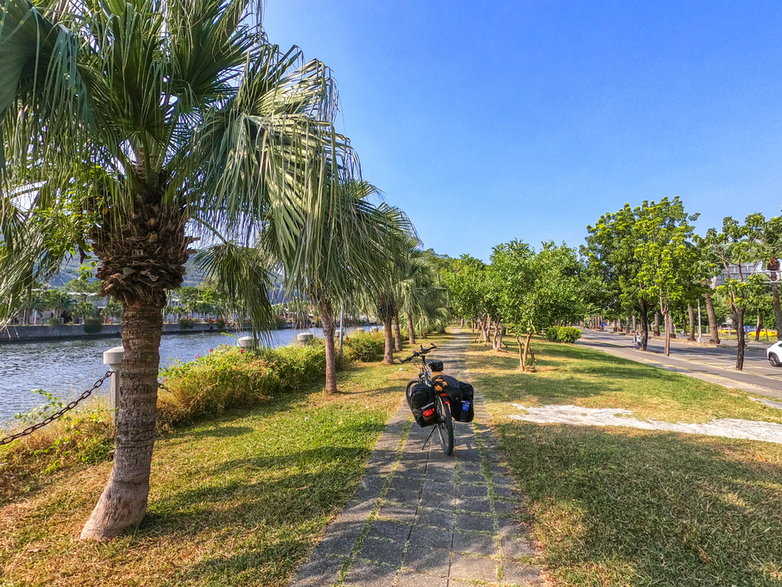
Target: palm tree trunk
<point>388,350</point>
<point>397,332</point>
<point>691,317</point>
<point>410,329</point>
<point>714,330</point>
<point>327,320</point>
<point>124,500</point>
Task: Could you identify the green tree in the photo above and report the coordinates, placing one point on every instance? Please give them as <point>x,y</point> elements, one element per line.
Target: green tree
<point>735,248</point>
<point>667,259</point>
<point>538,290</point>
<point>422,299</point>
<point>767,235</point>
<point>610,251</point>
<point>135,128</point>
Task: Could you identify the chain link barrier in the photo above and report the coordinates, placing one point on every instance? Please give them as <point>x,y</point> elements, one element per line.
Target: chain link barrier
<point>58,414</point>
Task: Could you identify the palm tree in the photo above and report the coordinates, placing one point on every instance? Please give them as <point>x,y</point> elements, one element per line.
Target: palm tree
<point>421,299</point>
<point>343,258</point>
<point>131,129</point>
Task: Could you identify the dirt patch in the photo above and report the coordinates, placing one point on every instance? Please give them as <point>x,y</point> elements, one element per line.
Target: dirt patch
<point>725,427</point>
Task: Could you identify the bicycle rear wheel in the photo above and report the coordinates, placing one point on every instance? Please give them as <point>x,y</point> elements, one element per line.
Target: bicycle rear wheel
<point>444,426</point>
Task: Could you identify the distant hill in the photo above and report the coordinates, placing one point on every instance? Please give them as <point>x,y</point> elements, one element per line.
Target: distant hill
<point>193,277</point>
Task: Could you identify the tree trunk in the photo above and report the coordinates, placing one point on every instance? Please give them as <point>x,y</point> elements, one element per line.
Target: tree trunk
<point>691,316</point>
<point>714,329</point>
<point>397,332</point>
<point>123,502</point>
<point>635,323</point>
<point>738,320</point>
<point>528,353</point>
<point>656,327</point>
<point>522,354</point>
<point>758,327</point>
<point>388,350</point>
<point>499,331</point>
<point>644,326</point>
<point>668,325</point>
<point>777,308</point>
<point>410,329</point>
<point>327,321</point>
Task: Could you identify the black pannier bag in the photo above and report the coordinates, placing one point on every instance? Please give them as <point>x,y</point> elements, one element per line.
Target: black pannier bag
<point>467,408</point>
<point>436,366</point>
<point>422,405</point>
<point>461,395</point>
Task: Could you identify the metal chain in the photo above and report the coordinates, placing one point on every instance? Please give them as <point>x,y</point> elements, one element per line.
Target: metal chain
<point>57,415</point>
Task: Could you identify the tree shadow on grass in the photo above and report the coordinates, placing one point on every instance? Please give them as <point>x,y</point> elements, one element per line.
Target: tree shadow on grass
<point>268,509</point>
<point>218,431</point>
<point>650,507</point>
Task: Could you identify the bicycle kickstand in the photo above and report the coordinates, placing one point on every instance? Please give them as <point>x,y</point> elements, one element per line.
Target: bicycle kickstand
<point>423,446</point>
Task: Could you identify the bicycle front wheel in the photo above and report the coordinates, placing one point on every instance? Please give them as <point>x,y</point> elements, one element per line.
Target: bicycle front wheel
<point>445,425</point>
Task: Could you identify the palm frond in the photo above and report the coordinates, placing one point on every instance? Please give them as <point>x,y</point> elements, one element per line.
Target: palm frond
<point>244,275</point>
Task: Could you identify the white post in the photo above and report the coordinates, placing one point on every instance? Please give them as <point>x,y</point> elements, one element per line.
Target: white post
<point>113,358</point>
<point>245,342</point>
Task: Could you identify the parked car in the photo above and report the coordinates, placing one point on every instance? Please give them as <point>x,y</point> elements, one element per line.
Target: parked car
<point>774,354</point>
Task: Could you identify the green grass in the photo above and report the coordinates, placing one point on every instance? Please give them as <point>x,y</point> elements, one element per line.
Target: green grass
<point>616,506</point>
<point>234,501</point>
<point>570,374</point>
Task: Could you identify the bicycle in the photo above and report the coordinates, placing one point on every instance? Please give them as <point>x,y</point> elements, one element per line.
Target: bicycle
<point>443,421</point>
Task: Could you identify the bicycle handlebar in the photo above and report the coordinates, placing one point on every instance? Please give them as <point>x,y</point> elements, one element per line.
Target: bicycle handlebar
<point>420,353</point>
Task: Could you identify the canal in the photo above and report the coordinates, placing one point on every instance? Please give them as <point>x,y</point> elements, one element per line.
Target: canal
<point>67,367</point>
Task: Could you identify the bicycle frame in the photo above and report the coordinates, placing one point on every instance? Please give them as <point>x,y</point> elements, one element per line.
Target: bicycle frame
<point>442,405</point>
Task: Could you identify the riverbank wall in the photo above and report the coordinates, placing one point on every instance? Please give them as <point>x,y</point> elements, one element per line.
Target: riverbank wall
<point>18,334</point>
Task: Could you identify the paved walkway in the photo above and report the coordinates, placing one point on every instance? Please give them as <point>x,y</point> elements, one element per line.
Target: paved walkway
<point>421,518</point>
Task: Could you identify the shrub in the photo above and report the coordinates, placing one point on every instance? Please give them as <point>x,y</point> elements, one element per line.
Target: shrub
<point>54,321</point>
<point>230,377</point>
<point>92,325</point>
<point>563,334</point>
<point>186,323</point>
<point>363,346</point>
<point>83,437</point>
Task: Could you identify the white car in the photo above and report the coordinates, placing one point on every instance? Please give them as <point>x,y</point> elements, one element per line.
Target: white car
<point>774,354</point>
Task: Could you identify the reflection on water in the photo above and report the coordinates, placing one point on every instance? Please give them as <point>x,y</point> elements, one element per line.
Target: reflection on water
<point>68,367</point>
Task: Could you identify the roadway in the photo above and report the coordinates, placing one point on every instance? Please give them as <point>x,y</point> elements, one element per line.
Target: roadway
<point>713,364</point>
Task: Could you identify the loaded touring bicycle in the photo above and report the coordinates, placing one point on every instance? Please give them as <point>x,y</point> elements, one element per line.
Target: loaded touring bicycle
<point>437,400</point>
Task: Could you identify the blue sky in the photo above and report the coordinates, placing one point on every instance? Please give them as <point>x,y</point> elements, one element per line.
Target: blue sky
<point>488,121</point>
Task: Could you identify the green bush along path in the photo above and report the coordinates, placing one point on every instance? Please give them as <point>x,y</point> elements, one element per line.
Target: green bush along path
<point>618,506</point>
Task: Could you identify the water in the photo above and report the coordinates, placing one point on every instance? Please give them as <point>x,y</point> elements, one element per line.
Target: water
<point>68,367</point>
